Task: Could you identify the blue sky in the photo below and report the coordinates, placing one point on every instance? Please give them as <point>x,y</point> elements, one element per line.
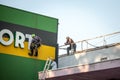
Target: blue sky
<point>79,19</point>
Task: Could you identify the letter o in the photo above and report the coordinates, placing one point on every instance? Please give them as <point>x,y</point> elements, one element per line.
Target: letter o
<point>10,35</point>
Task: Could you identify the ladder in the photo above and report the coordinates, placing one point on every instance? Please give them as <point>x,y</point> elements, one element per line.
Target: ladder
<point>46,68</point>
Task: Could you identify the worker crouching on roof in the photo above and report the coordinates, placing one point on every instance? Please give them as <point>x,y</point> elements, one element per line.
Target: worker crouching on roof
<point>71,44</point>
<point>35,43</point>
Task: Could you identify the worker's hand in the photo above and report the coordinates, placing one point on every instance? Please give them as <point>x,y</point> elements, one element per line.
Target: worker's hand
<point>65,43</point>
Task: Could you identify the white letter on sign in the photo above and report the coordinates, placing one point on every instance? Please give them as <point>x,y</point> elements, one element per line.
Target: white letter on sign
<point>29,39</point>
<point>8,32</point>
<point>20,38</point>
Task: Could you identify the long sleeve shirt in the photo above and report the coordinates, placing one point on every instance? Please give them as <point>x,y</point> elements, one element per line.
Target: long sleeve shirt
<point>37,40</point>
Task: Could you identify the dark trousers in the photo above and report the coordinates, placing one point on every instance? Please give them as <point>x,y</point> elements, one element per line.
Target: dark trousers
<point>72,46</point>
<point>33,50</point>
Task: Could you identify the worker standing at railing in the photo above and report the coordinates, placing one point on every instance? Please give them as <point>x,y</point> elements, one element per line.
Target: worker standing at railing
<point>71,44</point>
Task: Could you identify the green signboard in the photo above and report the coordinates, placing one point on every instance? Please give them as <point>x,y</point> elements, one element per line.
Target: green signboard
<point>15,63</point>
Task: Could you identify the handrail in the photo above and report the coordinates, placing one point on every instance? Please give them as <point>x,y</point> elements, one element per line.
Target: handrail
<point>86,40</point>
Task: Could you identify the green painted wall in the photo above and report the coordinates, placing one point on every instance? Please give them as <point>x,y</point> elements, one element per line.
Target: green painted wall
<point>28,19</point>
<point>19,68</point>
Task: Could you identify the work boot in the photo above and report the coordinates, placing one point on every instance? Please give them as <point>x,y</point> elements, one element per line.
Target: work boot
<point>30,54</point>
<point>36,53</point>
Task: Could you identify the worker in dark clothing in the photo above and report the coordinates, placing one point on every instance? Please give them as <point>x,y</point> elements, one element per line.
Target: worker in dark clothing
<point>71,44</point>
<point>35,43</point>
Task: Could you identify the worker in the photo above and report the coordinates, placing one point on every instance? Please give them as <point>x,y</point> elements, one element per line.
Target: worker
<point>53,65</point>
<point>35,43</point>
<point>71,44</point>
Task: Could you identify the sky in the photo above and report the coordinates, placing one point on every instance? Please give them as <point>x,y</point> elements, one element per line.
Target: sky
<point>79,19</point>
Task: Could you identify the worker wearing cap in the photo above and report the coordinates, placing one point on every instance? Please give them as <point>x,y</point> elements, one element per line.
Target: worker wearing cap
<point>35,43</point>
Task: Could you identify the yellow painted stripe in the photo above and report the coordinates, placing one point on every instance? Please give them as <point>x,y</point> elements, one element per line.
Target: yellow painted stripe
<point>44,51</point>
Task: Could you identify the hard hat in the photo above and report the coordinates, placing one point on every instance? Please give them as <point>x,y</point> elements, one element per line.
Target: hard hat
<point>33,35</point>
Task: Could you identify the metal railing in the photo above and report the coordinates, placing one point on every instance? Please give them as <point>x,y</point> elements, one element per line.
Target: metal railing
<point>95,42</point>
